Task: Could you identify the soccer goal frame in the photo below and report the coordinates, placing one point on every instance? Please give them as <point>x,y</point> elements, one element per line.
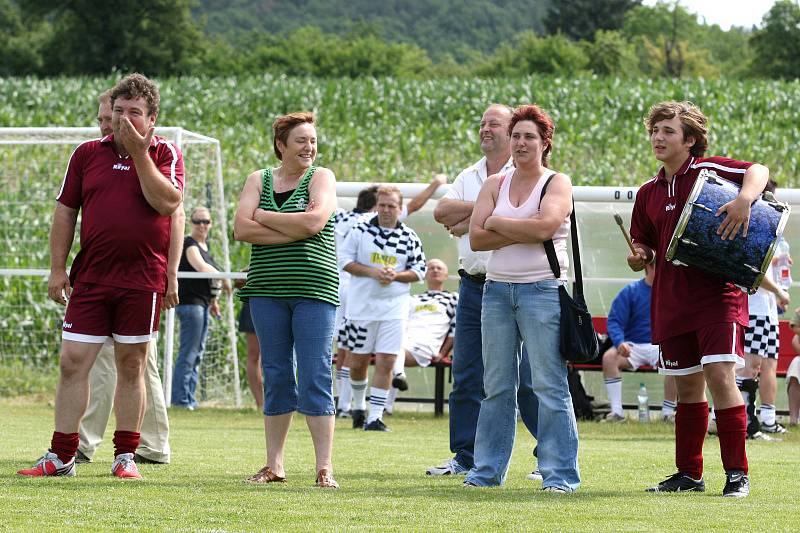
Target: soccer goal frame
<point>15,167</point>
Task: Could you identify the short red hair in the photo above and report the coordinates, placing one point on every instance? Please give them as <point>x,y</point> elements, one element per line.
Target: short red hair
<point>284,124</point>
<point>538,116</point>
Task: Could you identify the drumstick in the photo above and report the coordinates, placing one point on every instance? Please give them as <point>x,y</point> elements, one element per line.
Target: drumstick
<point>624,232</point>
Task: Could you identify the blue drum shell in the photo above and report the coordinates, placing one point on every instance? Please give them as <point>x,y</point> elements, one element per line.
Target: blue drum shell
<point>739,261</point>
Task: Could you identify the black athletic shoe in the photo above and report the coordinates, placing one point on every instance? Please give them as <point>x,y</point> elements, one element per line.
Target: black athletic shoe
<point>773,428</point>
<point>376,425</point>
<point>737,485</point>
<point>80,458</point>
<point>679,482</point>
<point>359,417</point>
<point>400,382</point>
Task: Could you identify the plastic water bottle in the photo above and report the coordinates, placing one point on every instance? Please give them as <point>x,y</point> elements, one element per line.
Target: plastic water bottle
<point>782,268</point>
<point>644,404</point>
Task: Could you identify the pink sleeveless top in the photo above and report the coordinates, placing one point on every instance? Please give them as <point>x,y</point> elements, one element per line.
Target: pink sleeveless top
<point>526,262</point>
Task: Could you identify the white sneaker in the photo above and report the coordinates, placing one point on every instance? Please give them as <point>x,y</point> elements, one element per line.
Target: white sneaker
<point>450,467</point>
<point>535,475</point>
<point>557,490</point>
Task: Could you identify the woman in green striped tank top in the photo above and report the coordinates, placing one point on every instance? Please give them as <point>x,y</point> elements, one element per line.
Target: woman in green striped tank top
<point>286,213</point>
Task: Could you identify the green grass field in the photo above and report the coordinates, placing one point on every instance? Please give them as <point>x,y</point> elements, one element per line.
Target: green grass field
<point>383,482</point>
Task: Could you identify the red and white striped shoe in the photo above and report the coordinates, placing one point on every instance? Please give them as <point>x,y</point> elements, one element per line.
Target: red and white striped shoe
<point>124,467</point>
<point>49,465</point>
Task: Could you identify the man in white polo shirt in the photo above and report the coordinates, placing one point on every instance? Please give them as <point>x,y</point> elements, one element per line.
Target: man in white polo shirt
<point>454,212</point>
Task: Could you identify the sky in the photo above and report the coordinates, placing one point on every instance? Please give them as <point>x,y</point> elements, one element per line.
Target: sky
<point>727,13</point>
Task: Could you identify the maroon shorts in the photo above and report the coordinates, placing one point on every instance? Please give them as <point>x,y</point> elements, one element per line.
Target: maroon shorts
<point>96,312</point>
<point>715,343</point>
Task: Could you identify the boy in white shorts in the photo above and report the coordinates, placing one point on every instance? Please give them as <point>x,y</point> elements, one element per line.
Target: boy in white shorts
<point>629,330</point>
<point>384,256</point>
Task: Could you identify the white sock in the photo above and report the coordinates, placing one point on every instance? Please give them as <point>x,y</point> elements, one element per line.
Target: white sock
<point>390,400</point>
<point>767,414</point>
<point>399,363</point>
<point>343,386</point>
<point>359,390</point>
<point>668,408</point>
<point>377,401</point>
<point>614,388</point>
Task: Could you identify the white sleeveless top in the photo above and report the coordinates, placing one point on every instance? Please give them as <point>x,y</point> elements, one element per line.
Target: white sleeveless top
<point>526,262</point>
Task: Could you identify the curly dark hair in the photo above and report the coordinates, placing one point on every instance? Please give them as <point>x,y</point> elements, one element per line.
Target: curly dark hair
<point>137,86</point>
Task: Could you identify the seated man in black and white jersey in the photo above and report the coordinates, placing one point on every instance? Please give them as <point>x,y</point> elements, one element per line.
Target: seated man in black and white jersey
<point>430,329</point>
<point>384,257</point>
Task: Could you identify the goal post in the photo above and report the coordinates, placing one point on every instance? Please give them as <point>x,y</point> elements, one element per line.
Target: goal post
<point>32,166</point>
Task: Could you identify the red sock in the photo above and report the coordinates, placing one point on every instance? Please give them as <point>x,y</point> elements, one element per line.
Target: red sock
<point>691,424</point>
<point>64,445</point>
<point>732,431</point>
<point>125,442</point>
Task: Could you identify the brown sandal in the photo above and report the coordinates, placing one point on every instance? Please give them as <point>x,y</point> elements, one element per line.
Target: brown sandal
<point>325,480</point>
<point>265,475</point>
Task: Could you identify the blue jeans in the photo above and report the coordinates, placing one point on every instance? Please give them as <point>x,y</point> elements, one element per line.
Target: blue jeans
<point>529,312</point>
<point>296,337</point>
<point>464,403</point>
<point>194,330</point>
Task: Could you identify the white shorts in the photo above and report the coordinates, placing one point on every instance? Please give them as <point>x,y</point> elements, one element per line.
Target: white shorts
<point>794,369</point>
<point>643,354</point>
<point>375,336</point>
<point>422,353</point>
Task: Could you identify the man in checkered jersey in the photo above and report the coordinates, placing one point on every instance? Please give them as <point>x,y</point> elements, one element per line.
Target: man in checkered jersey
<point>761,354</point>
<point>384,256</point>
<point>431,325</point>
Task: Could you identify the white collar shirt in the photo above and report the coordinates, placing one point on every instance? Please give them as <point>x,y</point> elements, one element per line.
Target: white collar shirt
<point>466,188</point>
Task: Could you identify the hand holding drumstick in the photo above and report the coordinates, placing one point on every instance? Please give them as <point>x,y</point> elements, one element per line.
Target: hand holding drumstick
<point>640,255</point>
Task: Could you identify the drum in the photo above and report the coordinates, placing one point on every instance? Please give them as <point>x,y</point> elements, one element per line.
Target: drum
<point>742,261</point>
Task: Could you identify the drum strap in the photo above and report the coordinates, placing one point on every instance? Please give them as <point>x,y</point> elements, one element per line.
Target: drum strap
<point>550,249</point>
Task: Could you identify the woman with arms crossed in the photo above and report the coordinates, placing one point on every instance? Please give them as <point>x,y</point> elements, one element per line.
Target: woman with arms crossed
<point>286,213</point>
<point>521,304</point>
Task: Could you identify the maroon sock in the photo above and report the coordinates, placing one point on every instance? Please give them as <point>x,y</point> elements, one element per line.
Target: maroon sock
<point>64,445</point>
<point>732,431</point>
<point>691,424</point>
<point>125,442</point>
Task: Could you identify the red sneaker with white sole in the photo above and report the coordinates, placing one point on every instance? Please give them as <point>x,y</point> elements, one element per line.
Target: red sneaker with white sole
<point>49,465</point>
<point>124,467</point>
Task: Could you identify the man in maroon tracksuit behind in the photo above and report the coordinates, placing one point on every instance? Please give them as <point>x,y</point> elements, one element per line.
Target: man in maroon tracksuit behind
<point>126,186</point>
<point>697,318</point>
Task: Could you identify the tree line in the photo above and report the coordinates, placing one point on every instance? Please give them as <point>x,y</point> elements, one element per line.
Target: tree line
<point>621,38</point>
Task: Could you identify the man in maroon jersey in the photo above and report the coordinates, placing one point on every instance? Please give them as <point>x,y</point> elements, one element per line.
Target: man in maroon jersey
<point>697,318</point>
<point>127,185</point>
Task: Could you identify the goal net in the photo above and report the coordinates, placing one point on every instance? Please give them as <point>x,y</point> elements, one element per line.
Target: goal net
<point>32,165</point>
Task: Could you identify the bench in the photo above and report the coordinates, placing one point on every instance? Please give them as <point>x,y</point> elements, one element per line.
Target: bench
<point>785,353</point>
<point>600,324</point>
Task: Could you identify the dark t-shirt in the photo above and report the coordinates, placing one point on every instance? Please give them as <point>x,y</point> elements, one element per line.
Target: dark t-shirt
<point>194,291</point>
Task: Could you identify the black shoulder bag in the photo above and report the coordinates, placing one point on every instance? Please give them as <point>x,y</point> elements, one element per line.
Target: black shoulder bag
<point>578,338</point>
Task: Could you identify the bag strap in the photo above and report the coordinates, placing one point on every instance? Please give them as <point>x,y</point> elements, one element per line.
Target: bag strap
<point>576,249</point>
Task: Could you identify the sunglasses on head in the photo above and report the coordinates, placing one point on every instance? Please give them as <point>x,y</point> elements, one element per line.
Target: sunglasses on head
<point>201,221</point>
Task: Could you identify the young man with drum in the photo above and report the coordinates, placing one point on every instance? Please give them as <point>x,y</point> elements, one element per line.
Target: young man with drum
<point>698,319</point>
